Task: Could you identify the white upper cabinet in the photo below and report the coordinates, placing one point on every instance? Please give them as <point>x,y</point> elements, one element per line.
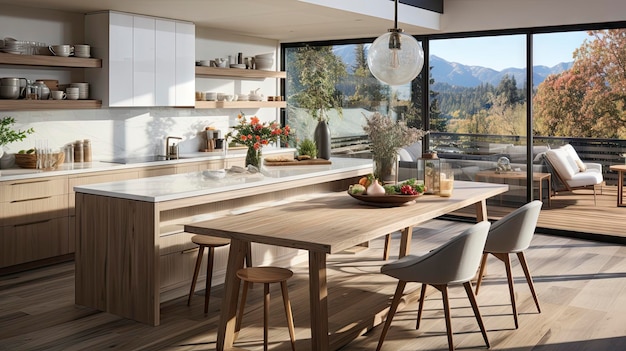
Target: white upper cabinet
<point>146,61</point>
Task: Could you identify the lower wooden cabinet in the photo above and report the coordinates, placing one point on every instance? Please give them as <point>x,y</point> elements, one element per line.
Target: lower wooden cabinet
<point>177,260</point>
<point>37,240</point>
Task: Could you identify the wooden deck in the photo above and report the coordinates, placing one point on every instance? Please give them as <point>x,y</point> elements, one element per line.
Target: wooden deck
<point>575,212</point>
<point>580,284</point>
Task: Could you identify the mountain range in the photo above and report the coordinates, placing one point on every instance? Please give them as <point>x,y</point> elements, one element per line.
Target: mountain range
<point>457,74</point>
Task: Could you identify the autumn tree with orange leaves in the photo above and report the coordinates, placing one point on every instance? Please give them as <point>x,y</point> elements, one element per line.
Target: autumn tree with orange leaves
<point>589,99</point>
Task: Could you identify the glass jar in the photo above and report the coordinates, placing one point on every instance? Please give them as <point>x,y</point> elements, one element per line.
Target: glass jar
<point>78,151</point>
<point>86,150</point>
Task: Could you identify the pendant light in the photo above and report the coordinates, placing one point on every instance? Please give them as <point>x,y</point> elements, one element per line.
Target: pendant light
<point>395,58</point>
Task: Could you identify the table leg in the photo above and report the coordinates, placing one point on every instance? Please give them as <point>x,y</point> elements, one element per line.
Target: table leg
<point>620,188</point>
<point>481,211</point>
<point>405,242</point>
<point>226,328</point>
<point>318,291</point>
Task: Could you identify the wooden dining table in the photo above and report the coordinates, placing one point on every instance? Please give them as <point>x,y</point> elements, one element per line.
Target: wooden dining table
<point>323,226</point>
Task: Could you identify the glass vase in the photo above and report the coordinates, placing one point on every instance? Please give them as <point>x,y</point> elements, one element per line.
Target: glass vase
<point>253,157</point>
<point>386,168</point>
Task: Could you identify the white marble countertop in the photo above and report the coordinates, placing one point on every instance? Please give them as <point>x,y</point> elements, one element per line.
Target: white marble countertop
<point>179,186</point>
<point>99,166</point>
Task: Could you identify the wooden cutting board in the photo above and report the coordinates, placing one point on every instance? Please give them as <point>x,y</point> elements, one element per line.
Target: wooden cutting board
<point>314,162</point>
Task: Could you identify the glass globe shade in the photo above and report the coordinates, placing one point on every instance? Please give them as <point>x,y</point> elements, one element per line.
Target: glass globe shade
<point>395,66</point>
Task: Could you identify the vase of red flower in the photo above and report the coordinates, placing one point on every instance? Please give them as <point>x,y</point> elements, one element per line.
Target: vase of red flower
<point>254,135</point>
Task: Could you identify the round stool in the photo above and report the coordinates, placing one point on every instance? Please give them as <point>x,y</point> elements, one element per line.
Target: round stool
<point>211,242</point>
<point>266,275</point>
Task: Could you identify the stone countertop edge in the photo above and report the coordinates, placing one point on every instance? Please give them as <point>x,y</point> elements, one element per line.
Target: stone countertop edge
<point>102,166</point>
<point>186,185</point>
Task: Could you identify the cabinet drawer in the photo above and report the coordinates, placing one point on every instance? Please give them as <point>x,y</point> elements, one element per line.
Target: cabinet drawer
<point>176,268</point>
<point>32,189</point>
<point>187,168</point>
<point>156,171</point>
<point>213,165</point>
<point>33,210</point>
<point>33,241</point>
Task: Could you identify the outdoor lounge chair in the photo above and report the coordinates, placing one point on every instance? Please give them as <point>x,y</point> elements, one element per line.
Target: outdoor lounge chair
<point>572,172</point>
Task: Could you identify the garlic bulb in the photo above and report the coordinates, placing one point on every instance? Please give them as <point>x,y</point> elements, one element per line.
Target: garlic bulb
<point>375,189</point>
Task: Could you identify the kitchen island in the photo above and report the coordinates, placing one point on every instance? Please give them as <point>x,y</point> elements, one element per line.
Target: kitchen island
<point>132,252</point>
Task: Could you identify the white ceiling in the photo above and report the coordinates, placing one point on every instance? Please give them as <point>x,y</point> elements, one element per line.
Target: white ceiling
<point>283,20</point>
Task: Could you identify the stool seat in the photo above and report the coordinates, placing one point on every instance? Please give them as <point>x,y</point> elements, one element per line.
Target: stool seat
<point>212,241</point>
<point>264,275</point>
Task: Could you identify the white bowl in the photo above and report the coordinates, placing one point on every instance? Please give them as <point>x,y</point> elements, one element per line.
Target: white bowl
<point>237,65</point>
<point>269,55</point>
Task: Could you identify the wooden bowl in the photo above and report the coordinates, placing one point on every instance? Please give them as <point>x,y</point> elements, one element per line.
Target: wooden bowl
<point>30,160</point>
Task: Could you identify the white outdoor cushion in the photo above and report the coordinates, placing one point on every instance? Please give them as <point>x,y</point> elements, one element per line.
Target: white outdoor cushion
<point>574,155</point>
<point>589,177</point>
<point>404,155</point>
<point>415,150</point>
<point>563,163</point>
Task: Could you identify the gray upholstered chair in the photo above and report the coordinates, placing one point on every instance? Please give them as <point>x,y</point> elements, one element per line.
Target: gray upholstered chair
<point>512,234</point>
<point>455,262</point>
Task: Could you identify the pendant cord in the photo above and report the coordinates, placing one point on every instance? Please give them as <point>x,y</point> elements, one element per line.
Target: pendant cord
<point>395,21</point>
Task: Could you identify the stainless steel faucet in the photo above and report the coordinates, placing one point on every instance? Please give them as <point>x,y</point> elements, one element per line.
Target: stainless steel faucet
<point>171,151</point>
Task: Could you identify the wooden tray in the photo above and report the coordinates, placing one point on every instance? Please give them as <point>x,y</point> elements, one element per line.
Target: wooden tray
<point>386,200</point>
<point>314,162</point>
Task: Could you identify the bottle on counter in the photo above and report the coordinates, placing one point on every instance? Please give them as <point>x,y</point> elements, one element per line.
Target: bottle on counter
<point>68,149</point>
<point>78,151</point>
<point>86,150</point>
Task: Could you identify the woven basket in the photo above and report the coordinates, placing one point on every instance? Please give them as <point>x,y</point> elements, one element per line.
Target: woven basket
<point>30,160</point>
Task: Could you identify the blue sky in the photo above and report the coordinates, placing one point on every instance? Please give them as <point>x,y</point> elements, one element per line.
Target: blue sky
<point>506,51</point>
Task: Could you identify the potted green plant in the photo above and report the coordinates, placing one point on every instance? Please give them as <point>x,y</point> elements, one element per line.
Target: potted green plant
<point>307,147</point>
<point>319,72</point>
<point>9,135</point>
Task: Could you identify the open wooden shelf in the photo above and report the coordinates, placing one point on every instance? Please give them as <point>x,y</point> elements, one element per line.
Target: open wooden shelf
<point>49,104</point>
<point>51,61</point>
<point>240,104</point>
<point>238,73</point>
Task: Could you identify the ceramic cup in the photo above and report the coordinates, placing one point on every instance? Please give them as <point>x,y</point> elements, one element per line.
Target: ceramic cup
<point>61,50</point>
<point>210,96</point>
<point>57,95</point>
<point>82,50</point>
<point>72,93</point>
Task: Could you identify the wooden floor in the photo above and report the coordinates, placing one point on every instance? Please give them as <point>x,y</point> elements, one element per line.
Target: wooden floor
<point>581,287</point>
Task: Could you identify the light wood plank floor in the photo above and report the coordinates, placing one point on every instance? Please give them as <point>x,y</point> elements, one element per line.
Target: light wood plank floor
<point>581,287</point>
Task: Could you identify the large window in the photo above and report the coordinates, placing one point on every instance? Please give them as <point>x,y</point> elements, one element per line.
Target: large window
<point>333,82</point>
<point>478,107</point>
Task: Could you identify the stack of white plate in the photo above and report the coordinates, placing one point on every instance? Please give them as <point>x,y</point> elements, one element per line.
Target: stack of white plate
<point>264,61</point>
<point>83,90</point>
<point>242,97</point>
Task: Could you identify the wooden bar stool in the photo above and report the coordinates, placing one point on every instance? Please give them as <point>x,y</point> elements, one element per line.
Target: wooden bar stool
<point>266,275</point>
<point>211,242</point>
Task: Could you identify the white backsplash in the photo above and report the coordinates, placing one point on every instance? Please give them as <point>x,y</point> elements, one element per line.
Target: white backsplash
<point>121,132</point>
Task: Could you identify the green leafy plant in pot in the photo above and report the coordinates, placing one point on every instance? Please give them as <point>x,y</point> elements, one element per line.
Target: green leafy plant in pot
<point>307,147</point>
<point>8,134</point>
<point>319,72</point>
